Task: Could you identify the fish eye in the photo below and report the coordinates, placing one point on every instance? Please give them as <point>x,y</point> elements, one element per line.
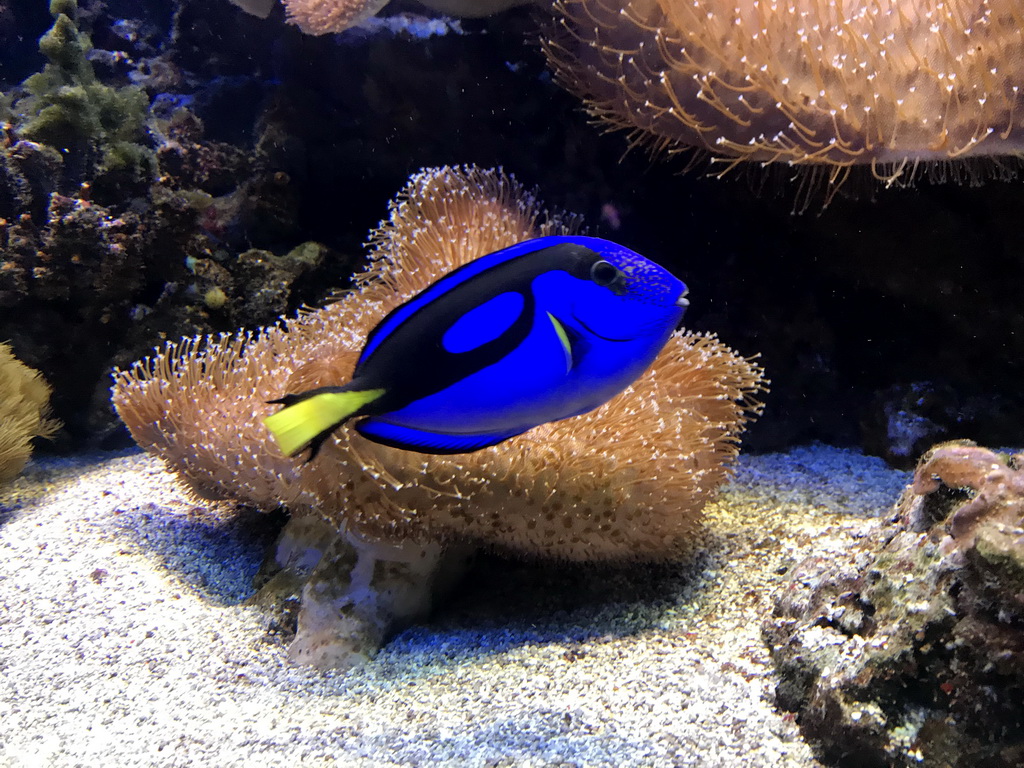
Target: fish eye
<point>604,273</point>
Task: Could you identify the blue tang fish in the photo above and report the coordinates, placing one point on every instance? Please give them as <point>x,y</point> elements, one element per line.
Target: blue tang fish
<point>543,330</point>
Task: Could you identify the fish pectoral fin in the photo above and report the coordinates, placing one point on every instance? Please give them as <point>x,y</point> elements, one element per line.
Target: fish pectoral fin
<point>563,337</point>
<point>308,418</point>
<point>424,441</point>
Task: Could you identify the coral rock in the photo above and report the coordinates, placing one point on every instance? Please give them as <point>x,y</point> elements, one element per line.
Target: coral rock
<point>909,651</point>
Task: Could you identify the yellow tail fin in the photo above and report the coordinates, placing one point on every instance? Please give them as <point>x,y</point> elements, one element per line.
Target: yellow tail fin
<point>303,421</point>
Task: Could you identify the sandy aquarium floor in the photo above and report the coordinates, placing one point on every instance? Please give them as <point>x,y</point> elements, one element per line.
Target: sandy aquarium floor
<point>125,639</point>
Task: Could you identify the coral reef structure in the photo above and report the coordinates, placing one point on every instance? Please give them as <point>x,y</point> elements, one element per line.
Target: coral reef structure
<point>909,651</point>
<point>626,481</point>
<point>119,226</point>
<point>889,83</point>
<point>24,409</point>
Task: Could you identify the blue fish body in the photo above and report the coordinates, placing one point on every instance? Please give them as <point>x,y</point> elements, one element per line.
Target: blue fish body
<point>544,330</point>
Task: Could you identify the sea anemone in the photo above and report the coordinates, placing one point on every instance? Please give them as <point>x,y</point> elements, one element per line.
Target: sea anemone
<point>325,17</point>
<point>887,84</point>
<point>626,481</point>
<point>322,17</point>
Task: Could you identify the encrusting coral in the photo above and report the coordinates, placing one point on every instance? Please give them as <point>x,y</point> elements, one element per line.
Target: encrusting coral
<point>626,481</point>
<point>24,407</point>
<point>888,83</point>
<point>996,481</point>
<point>908,650</point>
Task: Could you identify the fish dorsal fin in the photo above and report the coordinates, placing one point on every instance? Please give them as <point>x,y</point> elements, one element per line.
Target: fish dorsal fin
<point>563,337</point>
<point>459,276</point>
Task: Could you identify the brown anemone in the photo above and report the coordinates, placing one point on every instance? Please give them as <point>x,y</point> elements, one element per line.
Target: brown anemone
<point>627,480</point>
<point>325,17</point>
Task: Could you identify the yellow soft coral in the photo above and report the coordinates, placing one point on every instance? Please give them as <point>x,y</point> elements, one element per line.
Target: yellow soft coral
<point>24,406</point>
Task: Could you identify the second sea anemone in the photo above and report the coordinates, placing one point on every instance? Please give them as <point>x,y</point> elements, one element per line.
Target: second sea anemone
<point>887,84</point>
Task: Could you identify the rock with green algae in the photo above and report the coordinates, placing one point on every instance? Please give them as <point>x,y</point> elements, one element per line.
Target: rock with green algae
<point>101,254</point>
<point>66,107</point>
<point>91,274</point>
<point>87,284</point>
<point>909,651</point>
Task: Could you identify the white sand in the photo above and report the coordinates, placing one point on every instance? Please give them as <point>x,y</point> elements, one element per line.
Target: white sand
<point>123,640</point>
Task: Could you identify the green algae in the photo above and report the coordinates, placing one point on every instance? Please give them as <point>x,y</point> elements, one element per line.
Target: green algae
<point>68,108</point>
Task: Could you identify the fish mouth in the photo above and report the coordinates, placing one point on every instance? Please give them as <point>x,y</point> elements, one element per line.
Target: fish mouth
<point>682,303</point>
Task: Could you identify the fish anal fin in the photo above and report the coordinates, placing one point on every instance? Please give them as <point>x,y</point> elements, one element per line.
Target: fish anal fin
<point>423,441</point>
